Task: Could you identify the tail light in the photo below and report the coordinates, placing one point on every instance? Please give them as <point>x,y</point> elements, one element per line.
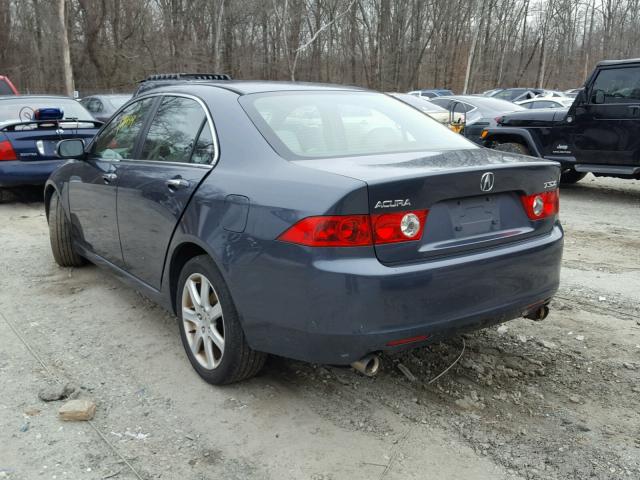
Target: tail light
<point>6,151</point>
<point>356,230</point>
<point>398,227</point>
<point>541,205</point>
<point>330,231</point>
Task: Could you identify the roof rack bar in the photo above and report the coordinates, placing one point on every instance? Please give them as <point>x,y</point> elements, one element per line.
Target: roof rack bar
<point>187,76</point>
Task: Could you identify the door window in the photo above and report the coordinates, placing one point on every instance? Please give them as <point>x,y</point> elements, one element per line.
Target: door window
<point>118,139</point>
<point>619,85</point>
<point>173,131</point>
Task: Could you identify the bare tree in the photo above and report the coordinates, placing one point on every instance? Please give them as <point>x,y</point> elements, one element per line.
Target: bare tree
<point>465,45</point>
<point>67,70</point>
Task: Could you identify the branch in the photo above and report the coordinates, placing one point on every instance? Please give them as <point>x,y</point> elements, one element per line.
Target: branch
<point>324,27</point>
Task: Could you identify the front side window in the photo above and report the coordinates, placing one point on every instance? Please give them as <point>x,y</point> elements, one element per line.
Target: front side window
<point>173,131</point>
<point>619,85</point>
<point>312,124</point>
<point>118,139</point>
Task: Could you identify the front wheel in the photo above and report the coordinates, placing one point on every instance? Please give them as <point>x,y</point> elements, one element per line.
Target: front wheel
<point>570,176</point>
<point>209,326</point>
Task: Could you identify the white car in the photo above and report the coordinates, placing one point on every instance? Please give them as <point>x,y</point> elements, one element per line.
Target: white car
<point>546,102</point>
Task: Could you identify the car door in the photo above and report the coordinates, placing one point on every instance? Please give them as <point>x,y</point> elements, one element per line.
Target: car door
<point>176,152</point>
<point>93,181</point>
<point>607,123</point>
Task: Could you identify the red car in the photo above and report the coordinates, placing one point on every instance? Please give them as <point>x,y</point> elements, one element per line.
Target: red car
<point>6,87</point>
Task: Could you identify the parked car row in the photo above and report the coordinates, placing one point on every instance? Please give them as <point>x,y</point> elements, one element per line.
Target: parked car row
<point>598,132</point>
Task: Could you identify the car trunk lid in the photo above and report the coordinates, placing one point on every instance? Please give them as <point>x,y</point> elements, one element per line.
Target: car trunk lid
<point>451,185</point>
<point>34,141</point>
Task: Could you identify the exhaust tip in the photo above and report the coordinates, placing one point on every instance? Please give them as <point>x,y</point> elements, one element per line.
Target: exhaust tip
<point>538,314</point>
<point>369,365</point>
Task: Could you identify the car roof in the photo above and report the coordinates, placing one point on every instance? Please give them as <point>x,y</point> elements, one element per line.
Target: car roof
<point>245,87</point>
<point>618,62</point>
<point>23,97</point>
<point>107,95</point>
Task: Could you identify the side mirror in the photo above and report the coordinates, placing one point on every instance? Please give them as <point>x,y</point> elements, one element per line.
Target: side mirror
<point>598,96</point>
<point>71,148</point>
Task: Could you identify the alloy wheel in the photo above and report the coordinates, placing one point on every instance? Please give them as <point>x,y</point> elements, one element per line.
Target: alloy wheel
<point>203,321</point>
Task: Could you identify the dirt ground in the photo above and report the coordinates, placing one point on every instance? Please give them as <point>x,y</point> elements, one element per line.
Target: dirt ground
<point>558,399</point>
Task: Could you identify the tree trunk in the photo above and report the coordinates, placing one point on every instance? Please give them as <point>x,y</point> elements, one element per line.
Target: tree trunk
<point>67,71</point>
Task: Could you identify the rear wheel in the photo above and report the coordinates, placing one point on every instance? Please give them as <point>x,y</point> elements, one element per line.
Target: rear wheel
<point>512,147</point>
<point>60,236</point>
<point>570,176</point>
<point>209,326</point>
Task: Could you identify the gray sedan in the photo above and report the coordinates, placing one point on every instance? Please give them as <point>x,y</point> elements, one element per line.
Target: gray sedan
<point>102,107</point>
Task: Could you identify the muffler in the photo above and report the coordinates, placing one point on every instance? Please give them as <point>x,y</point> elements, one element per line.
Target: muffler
<point>367,365</point>
<point>538,314</point>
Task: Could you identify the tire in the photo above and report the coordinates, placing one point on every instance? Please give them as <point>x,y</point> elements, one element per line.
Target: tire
<point>512,147</point>
<point>570,176</point>
<point>60,236</point>
<point>210,329</point>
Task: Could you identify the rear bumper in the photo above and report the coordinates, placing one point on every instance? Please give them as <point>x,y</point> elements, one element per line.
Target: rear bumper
<point>15,173</point>
<point>337,310</point>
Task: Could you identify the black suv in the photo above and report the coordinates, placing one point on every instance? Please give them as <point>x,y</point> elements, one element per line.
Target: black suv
<point>599,133</point>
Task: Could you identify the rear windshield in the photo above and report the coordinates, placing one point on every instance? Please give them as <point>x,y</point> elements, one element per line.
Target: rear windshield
<point>21,108</point>
<point>313,125</point>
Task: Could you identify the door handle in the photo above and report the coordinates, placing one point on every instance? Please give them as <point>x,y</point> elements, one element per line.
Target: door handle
<point>177,183</point>
<point>109,177</point>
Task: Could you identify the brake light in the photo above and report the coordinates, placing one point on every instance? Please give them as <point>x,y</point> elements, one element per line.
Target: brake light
<point>541,205</point>
<point>6,151</point>
<point>398,227</point>
<point>330,231</point>
<point>356,230</point>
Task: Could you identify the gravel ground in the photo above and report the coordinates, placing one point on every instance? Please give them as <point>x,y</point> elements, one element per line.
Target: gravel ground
<point>558,399</point>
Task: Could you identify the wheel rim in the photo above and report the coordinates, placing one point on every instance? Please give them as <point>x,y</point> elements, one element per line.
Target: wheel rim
<point>203,321</point>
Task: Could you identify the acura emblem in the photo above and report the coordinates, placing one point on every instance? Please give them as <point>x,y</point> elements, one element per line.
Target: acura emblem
<point>486,182</point>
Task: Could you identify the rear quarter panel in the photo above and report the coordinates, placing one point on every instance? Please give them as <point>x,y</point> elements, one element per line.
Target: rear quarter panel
<point>279,193</point>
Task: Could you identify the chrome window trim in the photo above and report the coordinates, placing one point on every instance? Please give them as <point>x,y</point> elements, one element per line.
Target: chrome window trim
<point>214,135</point>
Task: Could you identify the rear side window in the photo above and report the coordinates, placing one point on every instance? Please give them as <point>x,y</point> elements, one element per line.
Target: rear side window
<point>117,140</point>
<point>5,89</point>
<point>204,151</point>
<point>173,131</point>
<point>441,102</point>
<point>314,125</point>
<point>619,85</point>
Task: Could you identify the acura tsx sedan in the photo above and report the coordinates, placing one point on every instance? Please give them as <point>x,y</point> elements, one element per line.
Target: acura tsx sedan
<point>316,222</point>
